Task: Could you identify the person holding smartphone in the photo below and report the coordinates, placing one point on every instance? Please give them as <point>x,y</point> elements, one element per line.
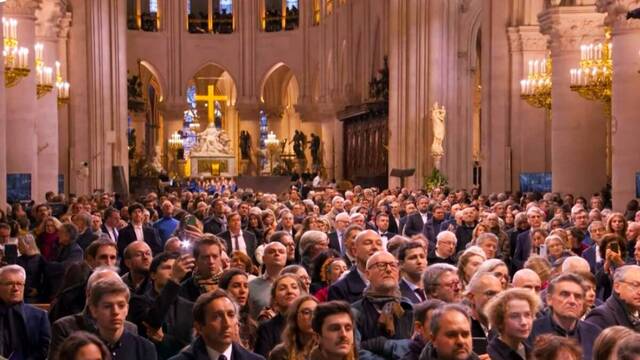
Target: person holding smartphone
<point>613,251</point>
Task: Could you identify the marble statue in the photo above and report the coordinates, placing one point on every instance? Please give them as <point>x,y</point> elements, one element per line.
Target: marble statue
<point>156,162</point>
<point>437,119</point>
<point>212,142</point>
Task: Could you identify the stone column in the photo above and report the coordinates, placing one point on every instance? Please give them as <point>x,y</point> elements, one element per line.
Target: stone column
<point>98,92</point>
<point>530,127</point>
<point>63,111</point>
<point>47,109</point>
<point>626,86</point>
<point>578,126</point>
<point>21,102</point>
<point>3,131</point>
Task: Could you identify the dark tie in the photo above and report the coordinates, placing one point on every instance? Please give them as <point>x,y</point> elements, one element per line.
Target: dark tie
<point>420,294</point>
<point>236,244</point>
<point>222,357</point>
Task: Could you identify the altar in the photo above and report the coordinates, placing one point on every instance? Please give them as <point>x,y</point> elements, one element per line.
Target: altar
<point>208,166</point>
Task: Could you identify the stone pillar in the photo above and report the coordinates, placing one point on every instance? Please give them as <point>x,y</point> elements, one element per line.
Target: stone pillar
<point>98,93</point>
<point>578,126</point>
<point>626,86</point>
<point>530,127</point>
<point>3,132</point>
<point>22,148</point>
<point>64,164</point>
<point>47,109</point>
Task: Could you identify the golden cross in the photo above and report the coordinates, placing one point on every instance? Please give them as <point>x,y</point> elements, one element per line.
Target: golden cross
<point>210,98</point>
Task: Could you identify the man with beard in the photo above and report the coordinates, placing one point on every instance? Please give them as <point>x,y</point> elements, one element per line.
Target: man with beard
<point>208,255</point>
<point>441,281</point>
<point>415,222</point>
<point>565,298</point>
<point>482,287</point>
<point>350,287</point>
<point>511,314</point>
<point>334,324</point>
<point>450,335</point>
<point>382,314</point>
<point>413,262</point>
<point>137,258</point>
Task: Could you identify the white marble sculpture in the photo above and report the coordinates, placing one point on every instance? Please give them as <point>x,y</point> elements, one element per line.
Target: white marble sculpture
<point>212,142</point>
<point>438,114</point>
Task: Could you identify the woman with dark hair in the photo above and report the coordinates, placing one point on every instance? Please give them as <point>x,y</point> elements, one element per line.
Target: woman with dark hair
<point>298,338</point>
<point>82,345</point>
<point>606,343</point>
<point>632,208</point>
<point>576,236</point>
<point>317,264</point>
<point>614,252</point>
<point>552,347</point>
<point>236,283</point>
<point>255,226</point>
<point>48,237</point>
<point>284,291</point>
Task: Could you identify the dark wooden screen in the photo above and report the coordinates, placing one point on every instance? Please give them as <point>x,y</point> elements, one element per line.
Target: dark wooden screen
<point>366,132</point>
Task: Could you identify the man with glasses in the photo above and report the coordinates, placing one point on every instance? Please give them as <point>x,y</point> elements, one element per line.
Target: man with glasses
<point>383,314</point>
<point>137,258</point>
<point>441,281</point>
<point>445,249</point>
<point>565,297</point>
<point>336,238</point>
<point>24,329</point>
<point>622,307</point>
<point>482,287</point>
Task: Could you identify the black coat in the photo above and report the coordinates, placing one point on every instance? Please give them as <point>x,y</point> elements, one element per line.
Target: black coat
<point>214,225</point>
<point>127,235</point>
<point>70,301</point>
<point>611,313</point>
<point>167,311</point>
<point>430,353</point>
<point>523,250</point>
<point>189,290</point>
<point>35,267</point>
<point>498,350</point>
<point>55,270</point>
<point>198,351</point>
<point>367,315</point>
<point>414,224</point>
<point>334,242</point>
<point>86,238</point>
<point>249,240</point>
<point>584,333</point>
<point>464,234</point>
<point>431,230</point>
<point>269,335</point>
<point>395,227</point>
<point>349,288</point>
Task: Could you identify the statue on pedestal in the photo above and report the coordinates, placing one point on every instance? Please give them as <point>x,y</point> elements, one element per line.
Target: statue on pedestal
<point>245,145</point>
<point>315,148</point>
<point>212,142</point>
<point>299,144</point>
<point>438,114</point>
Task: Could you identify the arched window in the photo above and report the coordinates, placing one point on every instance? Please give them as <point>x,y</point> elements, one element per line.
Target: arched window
<point>210,16</point>
<point>278,15</point>
<point>143,15</point>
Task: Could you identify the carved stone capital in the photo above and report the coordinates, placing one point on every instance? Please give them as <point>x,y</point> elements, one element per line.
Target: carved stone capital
<point>616,13</point>
<point>569,27</point>
<point>48,18</point>
<point>64,24</point>
<point>21,7</point>
<point>526,38</point>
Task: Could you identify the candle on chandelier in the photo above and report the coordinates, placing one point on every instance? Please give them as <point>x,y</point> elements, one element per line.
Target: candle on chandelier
<point>39,52</point>
<point>23,58</point>
<point>63,90</point>
<point>58,73</point>
<point>48,75</point>
<point>530,67</point>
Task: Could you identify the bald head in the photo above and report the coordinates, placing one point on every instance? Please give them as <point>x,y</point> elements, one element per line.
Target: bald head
<point>526,279</point>
<point>575,264</point>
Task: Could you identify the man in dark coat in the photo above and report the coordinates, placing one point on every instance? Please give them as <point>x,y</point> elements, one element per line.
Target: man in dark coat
<point>67,253</point>
<point>450,335</point>
<point>215,319</point>
<point>237,239</point>
<point>413,263</point>
<point>85,234</point>
<point>622,303</point>
<point>207,253</point>
<point>482,287</point>
<point>351,286</point>
<point>415,222</point>
<point>565,298</point>
<point>216,223</point>
<point>432,227</point>
<point>383,303</point>
<point>523,242</point>
<point>596,231</point>
<point>136,230</point>
<point>160,310</point>
<point>24,329</point>
<point>336,238</point>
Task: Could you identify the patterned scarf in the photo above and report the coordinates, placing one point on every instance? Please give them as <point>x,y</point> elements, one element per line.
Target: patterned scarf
<point>389,307</point>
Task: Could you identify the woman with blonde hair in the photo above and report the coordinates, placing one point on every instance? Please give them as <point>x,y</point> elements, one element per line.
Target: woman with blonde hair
<point>617,224</point>
<point>48,237</point>
<point>540,266</point>
<point>298,338</point>
<point>468,263</point>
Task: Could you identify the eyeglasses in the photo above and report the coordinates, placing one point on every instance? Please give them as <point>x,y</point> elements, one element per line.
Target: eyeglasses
<point>633,284</point>
<point>451,285</point>
<point>490,293</point>
<point>306,312</point>
<point>382,266</point>
<point>12,284</point>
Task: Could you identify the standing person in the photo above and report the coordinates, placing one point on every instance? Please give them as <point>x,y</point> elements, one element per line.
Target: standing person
<point>298,338</point>
<point>215,317</point>
<point>208,256</point>
<point>482,287</point>
<point>167,225</point>
<point>25,332</point>
<point>274,258</point>
<point>237,239</point>
<point>137,230</point>
<point>450,335</point>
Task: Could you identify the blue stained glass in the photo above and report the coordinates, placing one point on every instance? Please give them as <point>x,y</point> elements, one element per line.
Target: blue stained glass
<point>226,6</point>
<point>291,4</point>
<point>191,96</point>
<point>188,7</point>
<point>263,136</point>
<point>153,6</point>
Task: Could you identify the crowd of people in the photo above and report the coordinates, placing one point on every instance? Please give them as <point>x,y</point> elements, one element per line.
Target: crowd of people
<point>318,274</point>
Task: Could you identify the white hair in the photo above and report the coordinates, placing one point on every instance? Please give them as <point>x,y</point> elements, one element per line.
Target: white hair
<point>575,264</point>
<point>13,269</point>
<point>446,234</point>
<point>100,273</point>
<point>335,199</point>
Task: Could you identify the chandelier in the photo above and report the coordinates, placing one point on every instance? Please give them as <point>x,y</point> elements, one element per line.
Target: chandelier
<point>175,141</point>
<point>592,79</point>
<point>44,73</point>
<point>536,88</point>
<point>62,86</point>
<point>16,59</point>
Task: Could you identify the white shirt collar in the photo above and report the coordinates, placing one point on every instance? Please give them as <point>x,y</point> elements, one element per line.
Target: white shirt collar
<point>214,355</point>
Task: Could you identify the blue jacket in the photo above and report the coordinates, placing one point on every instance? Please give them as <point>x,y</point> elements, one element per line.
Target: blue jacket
<point>523,250</point>
<point>611,313</point>
<point>38,331</point>
<point>590,255</point>
<point>584,333</point>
